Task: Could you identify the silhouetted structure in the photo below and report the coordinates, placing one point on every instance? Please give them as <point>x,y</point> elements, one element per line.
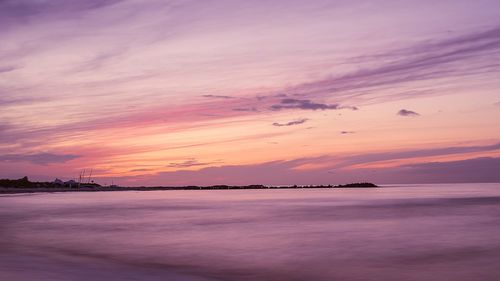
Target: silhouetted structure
<point>24,185</point>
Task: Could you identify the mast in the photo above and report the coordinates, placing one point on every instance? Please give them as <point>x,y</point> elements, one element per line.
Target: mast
<point>90,175</point>
<point>82,177</point>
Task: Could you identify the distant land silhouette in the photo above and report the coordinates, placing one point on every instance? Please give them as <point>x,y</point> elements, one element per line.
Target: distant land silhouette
<point>24,185</point>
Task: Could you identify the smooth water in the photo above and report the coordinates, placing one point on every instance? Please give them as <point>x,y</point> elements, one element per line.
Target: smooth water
<point>411,232</point>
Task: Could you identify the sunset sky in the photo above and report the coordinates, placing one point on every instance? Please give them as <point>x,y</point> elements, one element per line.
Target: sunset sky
<point>250,92</point>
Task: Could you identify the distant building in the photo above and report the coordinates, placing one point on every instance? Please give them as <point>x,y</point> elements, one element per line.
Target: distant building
<point>58,182</point>
<point>71,183</point>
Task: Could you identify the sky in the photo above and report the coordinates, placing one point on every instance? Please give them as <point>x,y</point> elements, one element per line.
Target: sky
<point>250,92</point>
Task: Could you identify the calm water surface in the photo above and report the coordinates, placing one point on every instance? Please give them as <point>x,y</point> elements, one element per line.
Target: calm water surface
<point>411,232</point>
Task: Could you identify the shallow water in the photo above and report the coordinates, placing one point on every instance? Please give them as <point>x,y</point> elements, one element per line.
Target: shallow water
<point>411,232</point>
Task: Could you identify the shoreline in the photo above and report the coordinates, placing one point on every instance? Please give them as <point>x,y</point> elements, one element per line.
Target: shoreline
<point>16,190</point>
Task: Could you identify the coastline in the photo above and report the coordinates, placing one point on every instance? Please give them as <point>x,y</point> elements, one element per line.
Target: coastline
<point>16,190</point>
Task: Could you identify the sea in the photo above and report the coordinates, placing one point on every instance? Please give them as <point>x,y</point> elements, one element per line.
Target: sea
<point>394,232</point>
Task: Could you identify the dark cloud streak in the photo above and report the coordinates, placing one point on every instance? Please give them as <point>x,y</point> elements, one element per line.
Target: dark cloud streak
<point>305,104</point>
<point>405,112</point>
<point>291,123</point>
<point>189,163</point>
<point>217,96</point>
<point>250,109</point>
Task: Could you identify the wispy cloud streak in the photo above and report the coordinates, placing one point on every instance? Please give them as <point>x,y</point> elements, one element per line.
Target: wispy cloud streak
<point>217,96</point>
<point>422,62</point>
<point>8,68</point>
<point>39,158</point>
<point>307,105</point>
<point>291,123</point>
<point>190,163</point>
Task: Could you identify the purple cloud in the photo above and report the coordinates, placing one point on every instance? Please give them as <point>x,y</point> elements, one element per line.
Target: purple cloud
<point>433,59</point>
<point>8,101</point>
<point>217,96</point>
<point>284,173</point>
<point>141,170</point>
<point>4,127</point>
<point>421,62</point>
<point>39,158</point>
<point>189,163</point>
<point>249,109</point>
<point>375,157</point>
<point>349,107</point>
<point>99,61</point>
<point>306,105</point>
<point>404,112</point>
<point>483,169</point>
<point>22,11</point>
<point>291,123</point>
<point>7,68</point>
